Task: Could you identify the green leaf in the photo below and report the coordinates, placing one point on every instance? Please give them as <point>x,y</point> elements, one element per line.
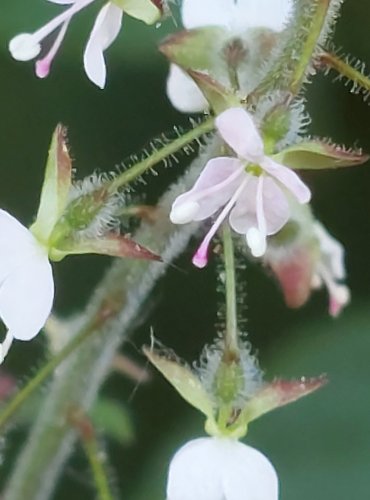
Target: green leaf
<point>113,419</point>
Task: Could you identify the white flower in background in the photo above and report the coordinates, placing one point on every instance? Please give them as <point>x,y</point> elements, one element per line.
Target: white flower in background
<point>221,469</point>
<point>26,46</point>
<point>26,282</point>
<point>234,15</point>
<point>330,270</point>
<point>249,189</point>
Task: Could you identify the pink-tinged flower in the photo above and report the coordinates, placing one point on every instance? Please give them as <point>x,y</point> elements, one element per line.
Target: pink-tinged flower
<point>249,189</point>
<point>236,17</point>
<point>221,468</point>
<point>27,46</point>
<point>330,270</point>
<point>302,266</point>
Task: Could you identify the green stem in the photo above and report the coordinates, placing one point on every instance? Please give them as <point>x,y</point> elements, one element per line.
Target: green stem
<point>309,46</point>
<point>94,456</point>
<point>161,154</point>
<point>42,375</point>
<point>332,61</point>
<point>78,380</point>
<point>231,334</point>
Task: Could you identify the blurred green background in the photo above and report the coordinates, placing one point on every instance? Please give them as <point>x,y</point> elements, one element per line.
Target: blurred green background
<point>320,446</point>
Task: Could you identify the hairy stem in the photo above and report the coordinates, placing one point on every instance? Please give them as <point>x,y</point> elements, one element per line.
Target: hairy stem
<point>332,61</point>
<point>231,334</point>
<point>157,156</point>
<point>78,380</point>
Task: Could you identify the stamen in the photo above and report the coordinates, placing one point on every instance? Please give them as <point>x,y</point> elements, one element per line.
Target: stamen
<point>26,46</point>
<point>200,258</point>
<point>339,295</point>
<point>42,66</point>
<point>256,236</point>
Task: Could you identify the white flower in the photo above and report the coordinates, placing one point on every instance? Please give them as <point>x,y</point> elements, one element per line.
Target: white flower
<point>26,282</point>
<point>234,15</point>
<point>26,46</point>
<point>221,469</point>
<point>247,188</point>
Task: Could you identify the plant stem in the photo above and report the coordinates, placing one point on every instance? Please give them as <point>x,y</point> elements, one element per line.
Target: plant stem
<point>231,334</point>
<point>93,454</point>
<point>78,380</point>
<point>343,68</point>
<point>159,155</point>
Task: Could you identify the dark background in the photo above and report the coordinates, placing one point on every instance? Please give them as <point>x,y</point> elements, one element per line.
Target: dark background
<point>321,445</point>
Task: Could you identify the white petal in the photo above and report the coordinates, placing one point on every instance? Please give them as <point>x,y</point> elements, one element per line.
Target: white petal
<point>247,474</point>
<point>17,244</point>
<point>214,187</point>
<point>197,13</point>
<point>106,28</point>
<point>23,47</point>
<point>26,281</point>
<point>238,130</point>
<point>195,472</point>
<point>272,14</point>
<point>26,297</point>
<point>287,177</point>
<point>220,469</point>
<point>183,92</point>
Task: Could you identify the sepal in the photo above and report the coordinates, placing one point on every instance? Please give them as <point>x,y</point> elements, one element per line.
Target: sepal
<point>148,11</point>
<point>318,155</point>
<point>182,378</point>
<point>56,187</point>
<point>219,98</point>
<point>280,393</point>
<point>114,245</point>
<point>196,49</point>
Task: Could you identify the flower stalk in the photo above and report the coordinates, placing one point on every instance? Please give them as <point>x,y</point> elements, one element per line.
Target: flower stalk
<point>231,332</point>
<point>159,155</point>
<point>42,459</point>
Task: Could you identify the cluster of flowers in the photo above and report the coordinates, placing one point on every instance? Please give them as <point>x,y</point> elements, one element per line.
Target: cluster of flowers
<point>250,185</point>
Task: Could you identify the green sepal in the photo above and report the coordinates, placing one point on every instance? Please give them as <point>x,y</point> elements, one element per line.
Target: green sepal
<point>147,11</point>
<point>114,245</point>
<point>317,155</point>
<point>216,94</point>
<point>198,49</point>
<point>279,393</point>
<point>183,379</point>
<point>56,187</point>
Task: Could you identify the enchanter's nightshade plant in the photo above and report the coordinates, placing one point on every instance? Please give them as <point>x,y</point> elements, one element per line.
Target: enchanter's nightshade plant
<point>69,221</point>
<point>26,46</point>
<point>221,468</point>
<point>233,18</point>
<point>250,189</point>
